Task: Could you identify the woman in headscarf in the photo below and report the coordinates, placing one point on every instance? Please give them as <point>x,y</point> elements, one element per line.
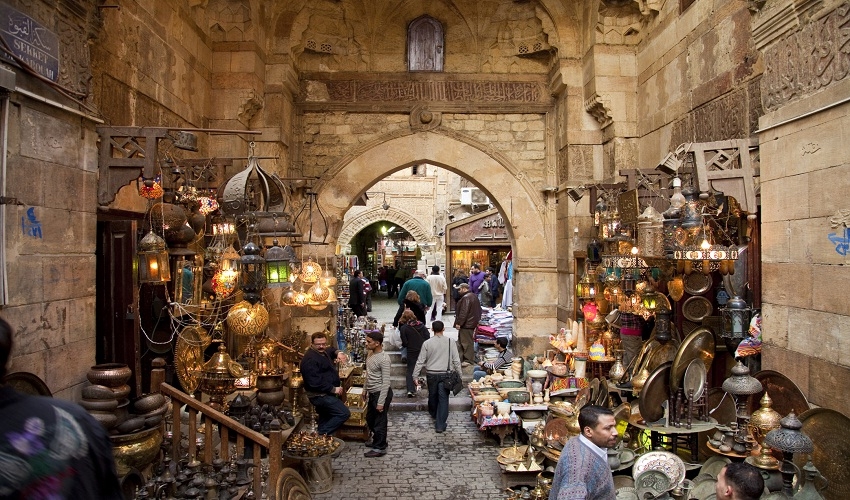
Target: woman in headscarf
<point>413,334</point>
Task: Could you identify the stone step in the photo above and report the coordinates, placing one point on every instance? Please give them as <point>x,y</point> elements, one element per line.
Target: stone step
<point>461,402</point>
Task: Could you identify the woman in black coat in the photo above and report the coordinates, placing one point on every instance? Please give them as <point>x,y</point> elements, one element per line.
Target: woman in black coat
<point>412,302</point>
<point>413,335</point>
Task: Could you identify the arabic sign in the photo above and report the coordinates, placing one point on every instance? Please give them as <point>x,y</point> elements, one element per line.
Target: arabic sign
<point>29,42</point>
<point>488,229</point>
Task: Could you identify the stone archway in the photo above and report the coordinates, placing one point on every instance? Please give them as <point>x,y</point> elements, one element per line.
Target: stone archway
<point>530,215</point>
<point>375,214</point>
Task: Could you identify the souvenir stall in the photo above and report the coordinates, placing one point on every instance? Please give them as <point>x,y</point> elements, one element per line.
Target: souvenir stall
<point>667,334</point>
<point>238,274</point>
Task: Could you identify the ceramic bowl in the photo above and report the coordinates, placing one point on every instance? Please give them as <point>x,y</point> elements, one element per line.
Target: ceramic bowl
<point>519,397</point>
<point>510,384</point>
<point>537,373</point>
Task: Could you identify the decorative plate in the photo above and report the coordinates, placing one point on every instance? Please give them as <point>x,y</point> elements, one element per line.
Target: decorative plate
<point>627,493</point>
<point>556,428</point>
<point>664,461</point>
<point>697,308</point>
<point>652,483</point>
<point>783,391</point>
<point>695,379</point>
<point>699,344</point>
<point>828,430</point>
<point>655,391</point>
<point>27,383</point>
<point>697,283</point>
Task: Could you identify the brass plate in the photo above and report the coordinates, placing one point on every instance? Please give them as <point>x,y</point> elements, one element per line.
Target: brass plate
<point>643,355</point>
<point>694,379</point>
<point>663,353</point>
<point>828,430</point>
<point>291,486</point>
<point>582,397</point>
<point>699,344</point>
<point>594,391</point>
<point>602,397</point>
<point>189,356</point>
<point>27,383</point>
<point>655,391</point>
<point>556,428</point>
<point>697,283</point>
<point>783,391</point>
<point>697,309</point>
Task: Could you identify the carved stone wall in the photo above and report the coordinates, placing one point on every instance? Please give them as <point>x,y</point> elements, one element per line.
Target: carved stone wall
<point>805,175</point>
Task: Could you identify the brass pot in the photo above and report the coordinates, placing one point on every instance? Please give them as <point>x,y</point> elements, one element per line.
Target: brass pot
<point>109,374</point>
<point>136,450</point>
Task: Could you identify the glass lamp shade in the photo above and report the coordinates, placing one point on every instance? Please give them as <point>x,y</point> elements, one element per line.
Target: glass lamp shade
<point>252,270</point>
<point>207,204</point>
<point>229,259</point>
<point>224,282</point>
<point>590,311</point>
<point>652,301</point>
<point>301,299</point>
<point>676,287</point>
<point>153,260</point>
<point>277,266</point>
<point>311,271</point>
<point>248,319</point>
<point>318,294</point>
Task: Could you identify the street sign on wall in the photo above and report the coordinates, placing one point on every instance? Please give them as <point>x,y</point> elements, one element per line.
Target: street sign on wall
<point>25,41</point>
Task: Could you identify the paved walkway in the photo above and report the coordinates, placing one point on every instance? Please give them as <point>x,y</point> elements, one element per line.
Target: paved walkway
<point>421,464</point>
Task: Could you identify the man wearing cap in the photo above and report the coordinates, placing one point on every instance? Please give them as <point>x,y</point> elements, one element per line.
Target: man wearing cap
<point>467,316</point>
<point>378,392</point>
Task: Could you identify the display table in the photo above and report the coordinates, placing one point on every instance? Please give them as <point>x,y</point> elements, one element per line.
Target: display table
<point>498,426</point>
<point>661,435</point>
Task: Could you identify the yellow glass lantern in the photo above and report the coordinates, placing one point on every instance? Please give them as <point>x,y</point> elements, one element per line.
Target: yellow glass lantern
<point>676,288</point>
<point>311,271</point>
<point>153,260</point>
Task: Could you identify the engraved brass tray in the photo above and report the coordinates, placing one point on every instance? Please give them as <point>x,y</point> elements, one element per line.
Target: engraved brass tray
<point>699,344</point>
<point>828,430</point>
<point>783,391</point>
<point>189,356</point>
<point>697,309</point>
<point>697,283</point>
<point>655,391</point>
<point>694,382</point>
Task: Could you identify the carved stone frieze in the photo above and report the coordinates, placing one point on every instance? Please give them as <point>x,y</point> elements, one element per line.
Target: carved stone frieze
<point>481,91</point>
<point>722,118</point>
<point>620,22</point>
<point>807,60</point>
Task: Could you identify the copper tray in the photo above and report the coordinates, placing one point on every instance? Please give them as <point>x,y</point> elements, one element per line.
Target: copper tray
<point>783,391</point>
<point>828,430</point>
<point>697,283</point>
<point>697,309</point>
<point>699,344</point>
<point>694,381</point>
<point>27,383</point>
<point>655,391</point>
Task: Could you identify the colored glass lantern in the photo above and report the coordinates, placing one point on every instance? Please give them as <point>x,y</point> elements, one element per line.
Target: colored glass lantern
<point>252,272</point>
<point>277,266</point>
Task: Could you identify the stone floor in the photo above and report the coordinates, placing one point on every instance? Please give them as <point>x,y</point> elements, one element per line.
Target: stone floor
<point>421,464</point>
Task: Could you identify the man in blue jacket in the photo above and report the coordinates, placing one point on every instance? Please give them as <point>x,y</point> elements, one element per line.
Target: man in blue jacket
<point>322,384</point>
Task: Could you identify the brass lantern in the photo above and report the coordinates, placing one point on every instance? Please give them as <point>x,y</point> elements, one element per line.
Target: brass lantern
<point>153,260</point>
<point>252,272</point>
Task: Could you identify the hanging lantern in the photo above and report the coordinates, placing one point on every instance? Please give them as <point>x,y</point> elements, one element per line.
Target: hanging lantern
<point>153,260</point>
<point>288,298</point>
<point>207,205</point>
<point>248,319</point>
<point>652,301</point>
<point>736,320</point>
<point>318,294</point>
<point>151,188</point>
<point>277,266</point>
<point>590,311</point>
<point>328,279</point>
<point>676,288</point>
<point>252,272</point>
<point>301,299</point>
<point>311,271</point>
<point>224,282</point>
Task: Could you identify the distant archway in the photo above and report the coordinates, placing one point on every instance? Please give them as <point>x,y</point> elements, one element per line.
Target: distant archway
<point>531,217</point>
<point>375,214</point>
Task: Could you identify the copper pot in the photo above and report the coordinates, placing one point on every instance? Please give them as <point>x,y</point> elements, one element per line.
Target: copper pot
<point>109,374</point>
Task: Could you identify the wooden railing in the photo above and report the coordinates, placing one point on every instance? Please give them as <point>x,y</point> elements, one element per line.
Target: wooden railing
<point>273,444</point>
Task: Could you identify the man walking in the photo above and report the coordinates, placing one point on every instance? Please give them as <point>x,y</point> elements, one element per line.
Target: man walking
<point>357,294</point>
<point>439,356</point>
<point>467,316</point>
<point>322,384</point>
<point>438,294</point>
<point>418,284</point>
<point>378,392</point>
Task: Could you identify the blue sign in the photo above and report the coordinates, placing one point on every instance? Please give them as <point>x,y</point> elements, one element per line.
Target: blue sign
<point>29,43</point>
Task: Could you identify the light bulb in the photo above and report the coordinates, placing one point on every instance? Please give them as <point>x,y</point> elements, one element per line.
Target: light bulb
<point>677,199</point>
<point>634,250</point>
<point>705,245</point>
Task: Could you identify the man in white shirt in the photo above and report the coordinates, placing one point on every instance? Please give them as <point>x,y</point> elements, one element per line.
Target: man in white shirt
<point>438,293</point>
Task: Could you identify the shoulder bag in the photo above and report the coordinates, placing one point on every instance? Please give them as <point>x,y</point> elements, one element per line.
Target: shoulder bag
<point>453,380</point>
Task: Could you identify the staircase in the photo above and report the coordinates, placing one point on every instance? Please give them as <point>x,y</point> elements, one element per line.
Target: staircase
<point>461,402</point>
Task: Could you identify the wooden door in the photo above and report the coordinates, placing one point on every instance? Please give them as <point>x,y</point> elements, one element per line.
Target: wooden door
<point>117,298</point>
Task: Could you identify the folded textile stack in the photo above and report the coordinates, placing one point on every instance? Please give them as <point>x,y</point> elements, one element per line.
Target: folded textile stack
<point>495,323</point>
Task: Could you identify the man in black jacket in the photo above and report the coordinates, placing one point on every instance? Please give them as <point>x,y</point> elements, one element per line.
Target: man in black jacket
<point>322,384</point>
<point>357,294</point>
<point>467,316</point>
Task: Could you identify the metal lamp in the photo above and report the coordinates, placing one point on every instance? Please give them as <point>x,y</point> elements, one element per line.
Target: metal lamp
<point>741,385</point>
<point>153,260</point>
<point>736,321</point>
<point>252,272</point>
<point>789,440</point>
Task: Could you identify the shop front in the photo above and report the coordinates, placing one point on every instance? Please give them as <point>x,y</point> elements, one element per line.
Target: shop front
<point>480,239</point>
